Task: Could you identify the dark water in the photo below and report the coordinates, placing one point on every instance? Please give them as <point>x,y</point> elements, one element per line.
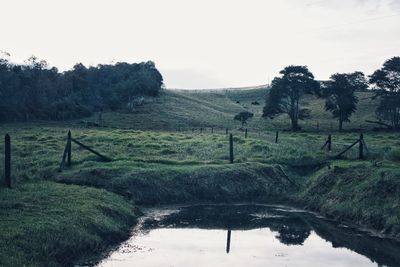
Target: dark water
<point>248,235</point>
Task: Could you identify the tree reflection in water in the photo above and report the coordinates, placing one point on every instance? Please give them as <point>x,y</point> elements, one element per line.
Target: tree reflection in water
<point>293,234</point>
<point>292,227</point>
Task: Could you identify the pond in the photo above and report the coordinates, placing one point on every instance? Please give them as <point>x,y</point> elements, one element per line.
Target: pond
<point>248,235</point>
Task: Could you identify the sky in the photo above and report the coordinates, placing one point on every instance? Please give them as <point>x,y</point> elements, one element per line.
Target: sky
<point>205,43</point>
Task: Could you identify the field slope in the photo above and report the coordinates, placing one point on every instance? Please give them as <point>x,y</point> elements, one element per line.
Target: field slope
<point>184,109</point>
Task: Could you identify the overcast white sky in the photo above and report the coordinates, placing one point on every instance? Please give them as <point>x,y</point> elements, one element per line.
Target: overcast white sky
<point>206,43</point>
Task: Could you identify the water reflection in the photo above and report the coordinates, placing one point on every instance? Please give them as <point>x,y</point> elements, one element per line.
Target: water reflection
<point>276,236</point>
<point>290,235</point>
<point>228,242</point>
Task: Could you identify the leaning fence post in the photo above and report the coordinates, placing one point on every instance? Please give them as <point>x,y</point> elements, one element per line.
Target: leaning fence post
<point>69,148</point>
<point>276,137</point>
<point>245,133</point>
<point>230,148</point>
<point>361,147</point>
<point>7,160</point>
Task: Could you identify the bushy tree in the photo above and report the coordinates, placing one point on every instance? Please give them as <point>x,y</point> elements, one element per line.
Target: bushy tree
<point>286,92</point>
<point>36,91</point>
<point>339,91</point>
<point>243,117</point>
<point>386,81</point>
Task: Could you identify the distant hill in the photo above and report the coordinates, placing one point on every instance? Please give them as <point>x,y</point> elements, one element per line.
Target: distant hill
<point>184,109</point>
<point>263,86</point>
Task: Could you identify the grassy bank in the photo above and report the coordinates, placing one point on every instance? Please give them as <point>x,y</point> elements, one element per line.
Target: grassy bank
<point>167,184</point>
<point>50,224</point>
<point>363,193</point>
<point>159,167</point>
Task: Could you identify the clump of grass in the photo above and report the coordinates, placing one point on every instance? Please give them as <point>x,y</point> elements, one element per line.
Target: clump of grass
<point>50,224</point>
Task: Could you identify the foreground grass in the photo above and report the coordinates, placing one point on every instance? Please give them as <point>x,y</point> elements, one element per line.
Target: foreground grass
<point>50,224</point>
<point>47,223</point>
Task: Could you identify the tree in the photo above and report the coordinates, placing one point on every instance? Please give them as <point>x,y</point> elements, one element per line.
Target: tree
<point>286,92</point>
<point>339,91</point>
<point>36,91</point>
<point>243,117</point>
<point>386,83</point>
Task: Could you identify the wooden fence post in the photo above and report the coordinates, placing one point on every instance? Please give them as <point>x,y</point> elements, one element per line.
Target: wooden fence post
<point>201,130</point>
<point>228,242</point>
<point>69,148</point>
<point>276,137</point>
<point>328,143</point>
<point>361,147</point>
<point>230,148</point>
<point>245,133</point>
<point>212,130</point>
<point>7,160</point>
<point>226,131</point>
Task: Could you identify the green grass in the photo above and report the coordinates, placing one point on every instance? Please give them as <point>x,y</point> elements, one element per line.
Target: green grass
<point>50,224</point>
<point>152,184</point>
<point>176,110</point>
<point>363,193</point>
<point>37,149</point>
<point>158,160</point>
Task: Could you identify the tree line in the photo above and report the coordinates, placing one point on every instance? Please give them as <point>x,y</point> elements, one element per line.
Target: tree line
<point>286,92</point>
<point>34,90</point>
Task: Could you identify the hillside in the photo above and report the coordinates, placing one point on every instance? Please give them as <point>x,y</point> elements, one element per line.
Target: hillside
<point>184,109</point>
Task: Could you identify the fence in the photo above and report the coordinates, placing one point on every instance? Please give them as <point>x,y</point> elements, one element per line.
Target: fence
<point>66,159</point>
<point>68,151</point>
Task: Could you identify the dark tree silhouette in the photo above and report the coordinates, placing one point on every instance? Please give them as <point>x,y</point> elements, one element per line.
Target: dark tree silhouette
<point>386,83</point>
<point>36,91</point>
<point>294,234</point>
<point>286,92</point>
<point>243,117</point>
<point>339,91</point>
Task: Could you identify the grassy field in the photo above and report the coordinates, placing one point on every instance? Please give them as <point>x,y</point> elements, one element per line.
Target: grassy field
<point>181,110</point>
<point>158,160</point>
